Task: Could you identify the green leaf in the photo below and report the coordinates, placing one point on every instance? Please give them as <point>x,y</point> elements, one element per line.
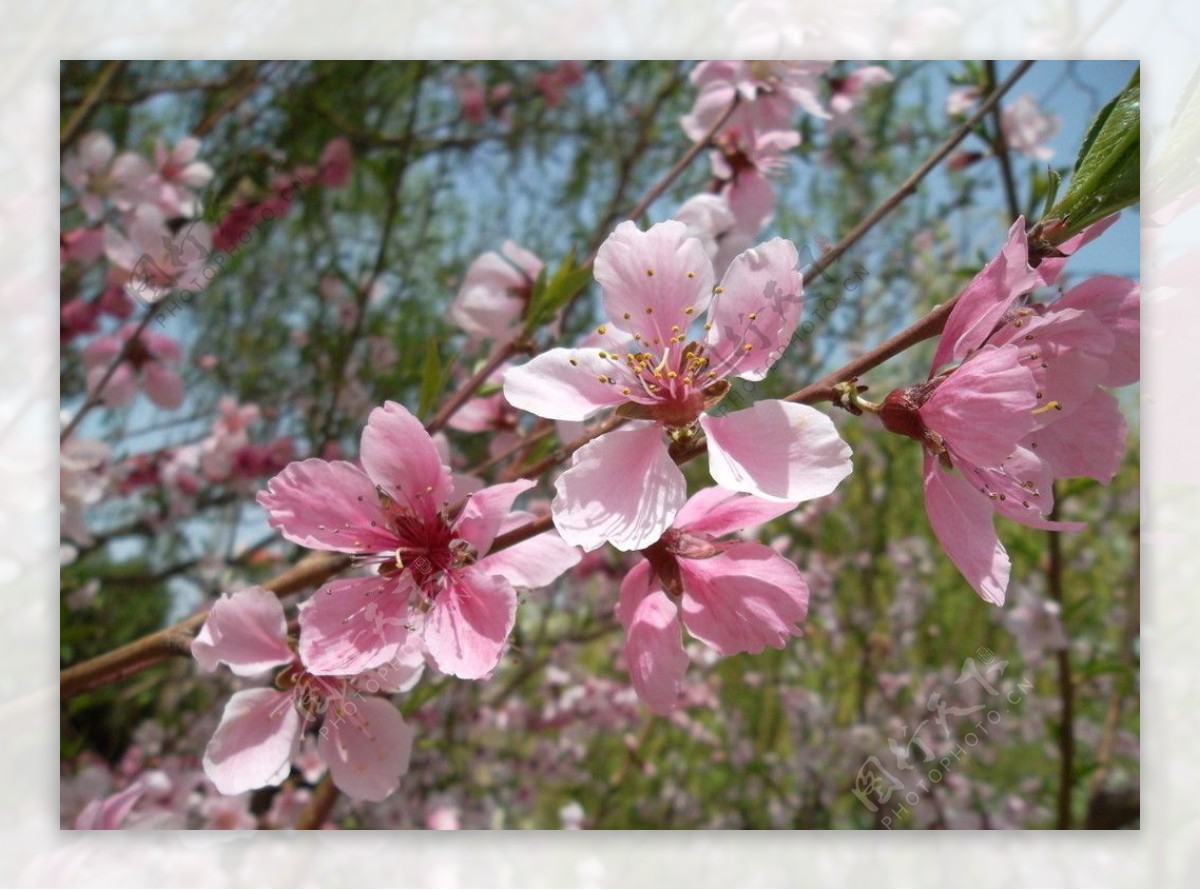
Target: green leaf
<point>550,295</point>
<point>1107,175</point>
<point>431,378</point>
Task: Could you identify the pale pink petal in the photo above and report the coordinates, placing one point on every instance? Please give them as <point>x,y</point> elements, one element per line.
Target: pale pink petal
<point>108,813</point>
<point>327,505</point>
<point>354,624</point>
<point>398,675</point>
<point>985,407</point>
<point>1117,303</point>
<point>654,650</point>
<point>468,625</point>
<point>806,458</point>
<point>1051,267</point>
<point>402,459</point>
<point>743,599</point>
<point>366,745</point>
<point>567,384</point>
<point>622,487</point>
<point>1090,442</point>
<point>757,306</point>
<point>1021,489</point>
<point>662,270</point>
<point>717,511</point>
<point>486,510</point>
<point>533,563</point>
<point>252,747</point>
<point>120,388</point>
<point>985,300</point>
<point>961,518</point>
<point>246,631</point>
<point>751,200</point>
<point>163,386</point>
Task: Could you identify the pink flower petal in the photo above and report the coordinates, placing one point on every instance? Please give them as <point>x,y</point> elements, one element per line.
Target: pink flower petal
<point>354,624</point>
<point>398,675</point>
<point>622,487</point>
<point>1050,268</point>
<point>163,386</point>
<point>252,746</point>
<point>367,745</point>
<point>1090,442</point>
<point>806,458</point>
<point>327,505</point>
<point>533,563</point>
<point>653,650</point>
<point>986,299</point>
<point>651,278</point>
<point>565,384</point>
<point>718,511</point>
<point>400,457</point>
<point>758,305</point>
<point>1117,303</point>
<point>246,631</point>
<point>985,407</point>
<point>486,510</point>
<point>743,599</point>
<point>468,625</point>
<point>961,518</point>
<point>108,813</point>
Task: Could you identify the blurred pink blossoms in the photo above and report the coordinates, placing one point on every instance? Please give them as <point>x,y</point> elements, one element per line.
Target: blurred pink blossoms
<point>623,487</point>
<point>1016,398</point>
<point>436,576</point>
<point>735,596</point>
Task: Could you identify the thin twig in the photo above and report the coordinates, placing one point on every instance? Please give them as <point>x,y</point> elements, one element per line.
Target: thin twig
<point>88,105</point>
<point>321,805</point>
<point>1000,148</point>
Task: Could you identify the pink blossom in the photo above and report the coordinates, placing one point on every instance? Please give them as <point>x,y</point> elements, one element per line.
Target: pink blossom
<point>848,94</point>
<point>495,293</point>
<point>178,177</point>
<point>435,570</point>
<point>1015,398</point>
<point>553,84</point>
<point>155,258</point>
<point>337,159</point>
<point>150,362</point>
<point>472,98</point>
<point>83,480</point>
<point>623,486</point>
<point>1027,128</point>
<point>362,738</point>
<point>734,596</point>
<point>109,813</point>
<point>960,102</point>
<point>96,174</point>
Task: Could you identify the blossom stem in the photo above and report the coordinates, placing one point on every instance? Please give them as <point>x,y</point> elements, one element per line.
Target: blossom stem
<point>93,397</point>
<point>319,808</point>
<point>134,657</point>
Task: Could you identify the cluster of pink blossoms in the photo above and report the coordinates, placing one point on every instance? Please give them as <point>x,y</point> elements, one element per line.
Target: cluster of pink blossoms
<point>1017,397</point>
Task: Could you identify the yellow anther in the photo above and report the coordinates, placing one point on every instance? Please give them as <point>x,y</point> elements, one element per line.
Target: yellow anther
<point>690,309</point>
<point>603,329</point>
<point>691,274</point>
<point>649,310</point>
<point>602,378</point>
<point>1049,406</point>
<point>649,273</point>
<point>627,316</point>
<point>671,375</point>
<point>746,347</point>
<point>752,316</point>
<point>708,326</point>
<point>573,361</point>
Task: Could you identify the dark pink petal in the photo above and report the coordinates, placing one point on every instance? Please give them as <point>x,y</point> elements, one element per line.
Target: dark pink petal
<point>1089,442</point>
<point>654,651</point>
<point>567,384</point>
<point>163,386</point>
<point>246,631</point>
<point>533,563</point>
<point>398,675</point>
<point>807,457</point>
<point>354,624</point>
<point>985,300</point>
<point>962,520</point>
<point>718,511</point>
<point>756,306</point>
<point>120,388</point>
<point>400,457</point>
<point>1117,303</point>
<point>486,510</point>
<point>468,625</point>
<point>366,744</point>
<point>252,747</point>
<point>743,599</point>
<point>327,505</point>
<point>1021,489</point>
<point>985,407</point>
<point>622,487</point>
<point>650,279</point>
<point>1050,268</point>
